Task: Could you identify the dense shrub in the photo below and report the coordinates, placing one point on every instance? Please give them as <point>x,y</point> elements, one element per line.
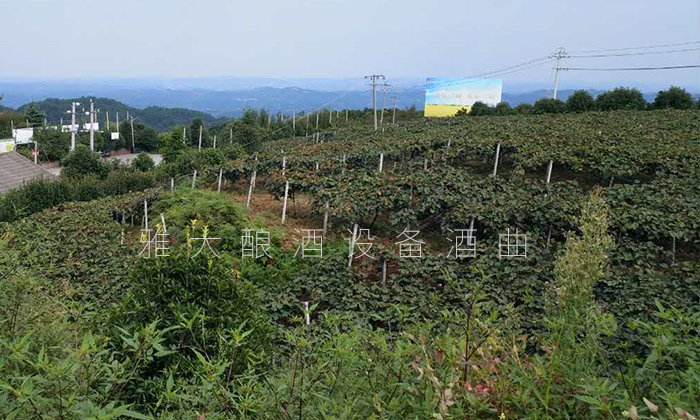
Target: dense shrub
<point>674,97</point>
<point>580,101</point>
<point>548,106</point>
<point>41,194</point>
<point>621,98</point>
<point>82,162</point>
<point>479,108</point>
<point>143,162</point>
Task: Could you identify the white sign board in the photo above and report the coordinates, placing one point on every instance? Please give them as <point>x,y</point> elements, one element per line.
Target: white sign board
<point>23,135</point>
<point>115,136</point>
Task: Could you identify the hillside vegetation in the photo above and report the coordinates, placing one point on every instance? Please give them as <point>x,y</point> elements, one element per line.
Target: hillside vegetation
<point>598,319</point>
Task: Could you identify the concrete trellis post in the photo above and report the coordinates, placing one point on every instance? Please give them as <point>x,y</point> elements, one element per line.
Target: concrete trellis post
<point>307,315</point>
<point>145,213</point>
<point>194,178</point>
<point>381,161</point>
<point>425,164</point>
<point>172,184</point>
<point>383,270</point>
<point>201,127</point>
<point>221,173</point>
<point>250,188</point>
<point>214,141</point>
<point>343,170</point>
<point>325,218</point>
<point>549,170</point>
<point>447,149</point>
<point>284,206</point>
<point>352,245</point>
<point>495,163</point>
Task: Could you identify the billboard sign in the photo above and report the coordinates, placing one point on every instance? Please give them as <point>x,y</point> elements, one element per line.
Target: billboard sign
<point>445,96</point>
<point>23,135</point>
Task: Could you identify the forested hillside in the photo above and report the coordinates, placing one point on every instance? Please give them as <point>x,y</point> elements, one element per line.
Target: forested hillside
<point>159,118</point>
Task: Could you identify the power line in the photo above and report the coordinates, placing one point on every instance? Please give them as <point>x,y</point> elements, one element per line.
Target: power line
<point>640,48</point>
<point>632,68</point>
<point>637,53</point>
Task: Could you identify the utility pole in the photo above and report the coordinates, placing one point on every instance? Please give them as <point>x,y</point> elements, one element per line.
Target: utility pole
<point>133,147</point>
<point>117,122</point>
<point>373,79</point>
<point>93,120</point>
<point>73,128</point>
<point>385,88</point>
<point>393,114</point>
<point>107,116</point>
<point>560,54</point>
<point>294,121</point>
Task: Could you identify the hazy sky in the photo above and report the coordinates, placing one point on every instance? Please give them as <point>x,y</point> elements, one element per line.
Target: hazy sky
<point>340,39</point>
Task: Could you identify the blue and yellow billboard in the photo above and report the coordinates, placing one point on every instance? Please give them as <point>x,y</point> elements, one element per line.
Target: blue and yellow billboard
<point>445,96</point>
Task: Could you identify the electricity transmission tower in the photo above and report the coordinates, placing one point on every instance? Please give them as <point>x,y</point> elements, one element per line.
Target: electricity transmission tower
<point>373,78</point>
<point>560,54</point>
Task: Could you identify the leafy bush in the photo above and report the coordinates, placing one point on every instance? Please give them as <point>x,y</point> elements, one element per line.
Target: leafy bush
<point>143,162</point>
<point>479,109</point>
<point>674,97</point>
<point>82,162</point>
<point>621,98</point>
<point>580,101</point>
<point>548,106</point>
<point>40,194</point>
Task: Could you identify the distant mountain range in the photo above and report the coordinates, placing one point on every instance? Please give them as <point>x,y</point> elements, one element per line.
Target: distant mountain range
<point>164,105</point>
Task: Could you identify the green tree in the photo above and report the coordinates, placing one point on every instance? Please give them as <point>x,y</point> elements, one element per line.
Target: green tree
<point>621,98</point>
<point>580,101</point>
<point>523,108</point>
<point>503,108</point>
<point>479,108</point>
<point>548,106</point>
<point>193,133</point>
<point>674,97</point>
<point>34,116</point>
<point>53,144</point>
<point>82,162</point>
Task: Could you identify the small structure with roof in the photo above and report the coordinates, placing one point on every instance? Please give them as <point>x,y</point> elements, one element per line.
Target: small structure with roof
<point>16,169</point>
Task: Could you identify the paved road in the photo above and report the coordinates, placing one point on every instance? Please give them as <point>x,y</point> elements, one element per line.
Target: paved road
<point>124,158</point>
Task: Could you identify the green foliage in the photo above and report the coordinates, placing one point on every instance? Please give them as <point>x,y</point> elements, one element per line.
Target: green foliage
<point>523,109</point>
<point>145,138</point>
<point>503,108</point>
<point>34,116</point>
<point>53,144</point>
<point>548,106</point>
<point>8,120</point>
<point>143,162</point>
<point>41,194</point>
<point>211,315</point>
<point>480,109</point>
<point>580,101</point>
<point>621,98</point>
<point>674,97</point>
<point>82,162</point>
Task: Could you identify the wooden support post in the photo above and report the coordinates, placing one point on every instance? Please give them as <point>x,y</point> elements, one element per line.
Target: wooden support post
<point>221,173</point>
<point>495,163</point>
<point>325,218</point>
<point>284,206</point>
<point>194,178</point>
<point>352,245</point>
<point>381,161</point>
